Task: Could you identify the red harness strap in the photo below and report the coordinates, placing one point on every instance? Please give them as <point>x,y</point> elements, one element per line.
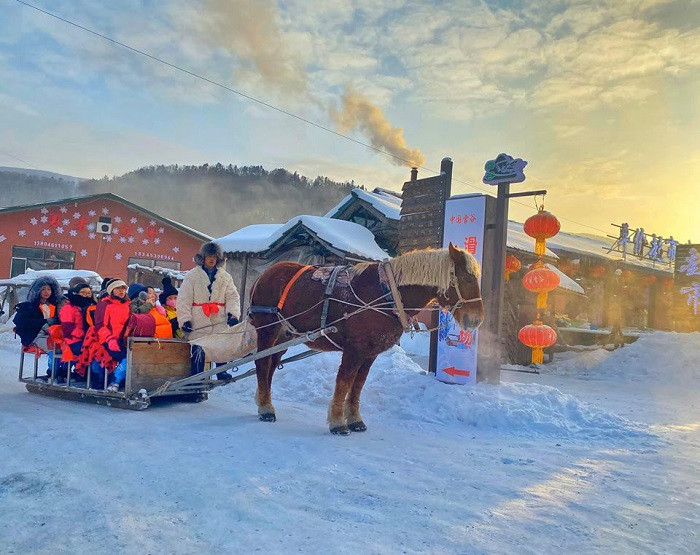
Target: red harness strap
<point>287,287</point>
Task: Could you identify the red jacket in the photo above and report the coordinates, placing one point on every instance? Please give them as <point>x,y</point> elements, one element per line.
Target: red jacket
<point>72,323</point>
<point>116,317</point>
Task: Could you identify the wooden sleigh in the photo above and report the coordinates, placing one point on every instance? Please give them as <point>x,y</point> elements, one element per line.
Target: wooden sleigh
<point>157,370</point>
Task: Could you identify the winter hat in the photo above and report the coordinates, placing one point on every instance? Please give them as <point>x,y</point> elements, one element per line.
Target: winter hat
<point>75,281</point>
<point>135,289</point>
<point>112,285</point>
<point>76,287</point>
<point>168,289</point>
<point>207,249</point>
<point>105,282</point>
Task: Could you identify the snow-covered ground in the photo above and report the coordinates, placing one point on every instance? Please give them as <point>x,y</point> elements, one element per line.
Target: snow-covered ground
<point>600,452</point>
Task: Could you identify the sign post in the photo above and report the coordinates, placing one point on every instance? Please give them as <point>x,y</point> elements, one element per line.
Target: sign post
<point>501,171</point>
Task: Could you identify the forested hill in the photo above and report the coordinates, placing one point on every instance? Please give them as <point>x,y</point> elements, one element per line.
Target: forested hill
<point>213,199</point>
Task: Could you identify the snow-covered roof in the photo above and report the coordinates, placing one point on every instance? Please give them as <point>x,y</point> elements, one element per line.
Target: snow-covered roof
<point>383,201</point>
<point>175,274</point>
<point>587,245</point>
<point>62,277</point>
<point>565,282</point>
<point>348,237</point>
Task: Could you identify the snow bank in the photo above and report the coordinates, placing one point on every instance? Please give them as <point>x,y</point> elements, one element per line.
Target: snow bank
<point>647,359</point>
<point>397,388</point>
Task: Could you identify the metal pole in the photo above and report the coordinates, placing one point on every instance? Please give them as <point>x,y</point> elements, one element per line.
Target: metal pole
<point>498,259</point>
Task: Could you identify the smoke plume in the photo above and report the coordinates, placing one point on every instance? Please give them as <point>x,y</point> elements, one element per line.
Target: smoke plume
<point>359,113</point>
<point>250,30</point>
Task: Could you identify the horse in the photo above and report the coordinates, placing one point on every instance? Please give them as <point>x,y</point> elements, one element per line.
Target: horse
<point>366,320</point>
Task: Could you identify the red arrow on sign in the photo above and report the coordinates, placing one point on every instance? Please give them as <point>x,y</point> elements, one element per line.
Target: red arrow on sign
<point>452,371</point>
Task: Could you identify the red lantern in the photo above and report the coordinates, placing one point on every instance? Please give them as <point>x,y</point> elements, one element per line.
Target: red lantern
<point>540,280</point>
<point>651,280</point>
<point>537,336</point>
<point>541,227</point>
<point>512,265</point>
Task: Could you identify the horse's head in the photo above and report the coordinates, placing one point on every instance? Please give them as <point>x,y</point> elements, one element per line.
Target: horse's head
<point>463,297</point>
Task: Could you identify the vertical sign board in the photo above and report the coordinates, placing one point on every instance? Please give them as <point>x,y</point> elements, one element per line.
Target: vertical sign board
<point>456,349</point>
<point>687,286</point>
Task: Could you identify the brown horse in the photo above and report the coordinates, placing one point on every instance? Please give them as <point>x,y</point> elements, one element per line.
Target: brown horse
<point>449,276</point>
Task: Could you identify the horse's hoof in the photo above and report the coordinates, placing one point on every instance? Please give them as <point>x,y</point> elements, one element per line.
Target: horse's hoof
<point>358,426</point>
<point>269,417</point>
<point>340,431</point>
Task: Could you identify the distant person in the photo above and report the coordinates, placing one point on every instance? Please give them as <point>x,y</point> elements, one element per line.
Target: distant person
<point>207,302</point>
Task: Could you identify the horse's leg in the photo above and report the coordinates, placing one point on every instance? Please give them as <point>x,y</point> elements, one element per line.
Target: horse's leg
<point>346,376</point>
<point>264,368</point>
<point>352,404</point>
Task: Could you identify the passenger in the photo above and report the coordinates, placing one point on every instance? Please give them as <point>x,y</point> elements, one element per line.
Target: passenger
<point>138,295</point>
<point>207,302</point>
<point>168,300</point>
<point>163,328</point>
<point>34,316</point>
<point>111,333</point>
<point>93,355</point>
<point>73,319</point>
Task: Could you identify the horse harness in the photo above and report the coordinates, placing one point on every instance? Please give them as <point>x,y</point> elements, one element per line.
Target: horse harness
<point>387,283</point>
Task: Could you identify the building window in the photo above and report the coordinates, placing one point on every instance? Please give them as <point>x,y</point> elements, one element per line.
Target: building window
<point>28,258</point>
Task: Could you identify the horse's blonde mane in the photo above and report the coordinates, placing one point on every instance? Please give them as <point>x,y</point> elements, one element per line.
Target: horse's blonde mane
<point>432,267</point>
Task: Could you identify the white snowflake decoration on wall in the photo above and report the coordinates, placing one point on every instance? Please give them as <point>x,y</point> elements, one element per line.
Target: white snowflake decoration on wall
<point>152,222</point>
<point>66,221</point>
<point>33,221</point>
<point>83,252</point>
<point>115,231</point>
<point>59,230</point>
<point>145,241</point>
<point>91,227</point>
<point>91,235</point>
<point>43,219</point>
<point>161,230</point>
<point>63,210</point>
<point>118,256</point>
<point>46,233</point>
<point>122,239</point>
<point>133,220</point>
<point>22,232</point>
<point>139,229</point>
<point>73,233</point>
<point>176,249</point>
<point>105,211</point>
<point>157,240</point>
<point>118,219</point>
<point>76,215</point>
<point>108,238</point>
<point>92,213</point>
<point>131,239</point>
<point>44,210</point>
<point>2,238</point>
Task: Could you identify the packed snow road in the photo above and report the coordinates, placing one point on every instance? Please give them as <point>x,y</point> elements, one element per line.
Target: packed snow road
<point>600,452</point>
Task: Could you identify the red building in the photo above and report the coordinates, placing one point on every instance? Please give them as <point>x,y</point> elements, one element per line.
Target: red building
<point>103,233</point>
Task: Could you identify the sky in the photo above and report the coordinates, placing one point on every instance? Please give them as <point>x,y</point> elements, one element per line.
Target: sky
<point>601,97</point>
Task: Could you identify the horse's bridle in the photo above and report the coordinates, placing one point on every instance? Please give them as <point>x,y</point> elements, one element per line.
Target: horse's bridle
<point>460,299</point>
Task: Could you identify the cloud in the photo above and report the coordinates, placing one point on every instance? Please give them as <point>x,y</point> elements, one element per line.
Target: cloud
<point>359,113</point>
<point>251,31</point>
